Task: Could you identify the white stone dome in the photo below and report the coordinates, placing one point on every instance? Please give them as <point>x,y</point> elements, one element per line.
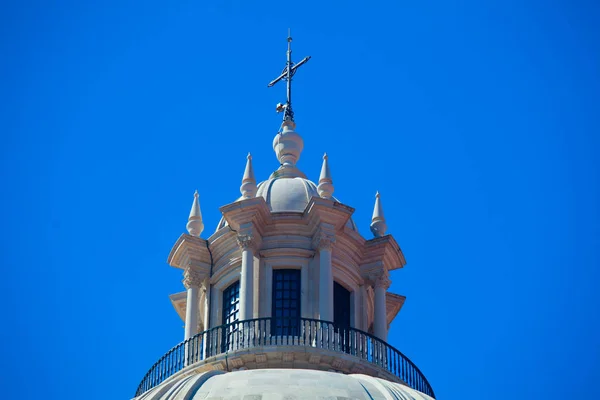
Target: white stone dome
<point>288,194</point>
<point>280,384</point>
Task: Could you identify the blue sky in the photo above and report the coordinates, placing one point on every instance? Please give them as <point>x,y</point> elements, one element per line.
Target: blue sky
<point>477,121</point>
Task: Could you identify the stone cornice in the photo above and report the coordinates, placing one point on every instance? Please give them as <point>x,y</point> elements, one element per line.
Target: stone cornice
<point>179,302</point>
<point>327,211</point>
<point>248,211</point>
<point>393,304</point>
<point>190,251</point>
<point>386,250</point>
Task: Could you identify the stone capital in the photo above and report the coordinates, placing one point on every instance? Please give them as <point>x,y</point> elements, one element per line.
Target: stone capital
<point>381,281</point>
<point>192,278</point>
<point>247,242</point>
<point>323,241</point>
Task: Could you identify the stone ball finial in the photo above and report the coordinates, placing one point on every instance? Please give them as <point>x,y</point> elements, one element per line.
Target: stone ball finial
<point>325,187</point>
<point>288,145</point>
<point>248,188</point>
<point>195,226</point>
<point>378,225</point>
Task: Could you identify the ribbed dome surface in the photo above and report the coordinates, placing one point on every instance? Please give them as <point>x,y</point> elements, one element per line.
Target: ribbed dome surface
<point>287,194</point>
<point>280,384</point>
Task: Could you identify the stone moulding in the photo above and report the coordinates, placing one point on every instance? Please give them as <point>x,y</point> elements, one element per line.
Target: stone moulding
<point>279,357</point>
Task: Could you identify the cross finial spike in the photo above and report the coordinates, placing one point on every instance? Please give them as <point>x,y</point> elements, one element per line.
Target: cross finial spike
<point>288,72</point>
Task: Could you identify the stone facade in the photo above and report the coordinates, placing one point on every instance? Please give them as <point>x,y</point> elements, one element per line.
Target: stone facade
<point>287,222</point>
<point>293,241</point>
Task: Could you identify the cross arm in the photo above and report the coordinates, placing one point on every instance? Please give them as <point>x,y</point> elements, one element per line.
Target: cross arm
<point>284,73</point>
<point>280,77</point>
<point>304,60</point>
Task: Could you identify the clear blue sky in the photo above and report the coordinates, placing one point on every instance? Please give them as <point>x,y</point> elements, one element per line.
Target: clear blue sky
<point>477,121</point>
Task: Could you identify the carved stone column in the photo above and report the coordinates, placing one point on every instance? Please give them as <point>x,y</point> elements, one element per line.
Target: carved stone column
<point>192,280</point>
<point>323,243</point>
<point>248,245</point>
<point>381,284</point>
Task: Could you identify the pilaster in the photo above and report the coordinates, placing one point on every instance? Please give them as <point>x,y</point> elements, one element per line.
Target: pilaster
<point>192,280</point>
<point>381,283</point>
<point>249,243</point>
<point>323,241</point>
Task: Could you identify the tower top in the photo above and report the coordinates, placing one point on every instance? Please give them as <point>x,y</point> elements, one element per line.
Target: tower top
<point>286,74</point>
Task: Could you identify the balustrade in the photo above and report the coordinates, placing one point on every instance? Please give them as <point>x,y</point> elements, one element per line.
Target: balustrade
<point>261,332</point>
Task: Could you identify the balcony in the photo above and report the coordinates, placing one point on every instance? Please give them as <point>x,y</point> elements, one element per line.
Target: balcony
<point>305,340</point>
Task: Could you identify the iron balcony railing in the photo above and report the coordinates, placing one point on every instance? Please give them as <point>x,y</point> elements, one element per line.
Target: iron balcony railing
<point>285,332</point>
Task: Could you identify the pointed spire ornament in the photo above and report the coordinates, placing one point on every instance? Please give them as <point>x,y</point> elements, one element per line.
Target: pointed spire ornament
<point>248,188</point>
<point>195,226</point>
<point>378,225</point>
<point>325,187</point>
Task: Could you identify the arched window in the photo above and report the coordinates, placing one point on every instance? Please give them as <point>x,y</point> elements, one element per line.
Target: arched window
<point>286,302</point>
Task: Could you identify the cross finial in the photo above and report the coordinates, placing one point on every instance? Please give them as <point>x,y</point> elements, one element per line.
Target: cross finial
<point>288,72</point>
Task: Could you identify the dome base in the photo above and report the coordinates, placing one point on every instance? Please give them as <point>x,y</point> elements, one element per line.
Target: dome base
<point>280,384</point>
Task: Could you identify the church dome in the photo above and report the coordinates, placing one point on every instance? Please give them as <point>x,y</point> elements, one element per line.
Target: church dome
<point>287,195</point>
<point>280,384</point>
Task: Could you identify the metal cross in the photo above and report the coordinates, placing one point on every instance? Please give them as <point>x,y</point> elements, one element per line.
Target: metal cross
<point>288,72</point>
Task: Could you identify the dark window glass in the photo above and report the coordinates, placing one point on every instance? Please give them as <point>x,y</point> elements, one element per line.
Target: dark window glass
<point>341,306</point>
<point>341,315</point>
<point>286,302</point>
<point>231,313</point>
<point>231,303</point>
